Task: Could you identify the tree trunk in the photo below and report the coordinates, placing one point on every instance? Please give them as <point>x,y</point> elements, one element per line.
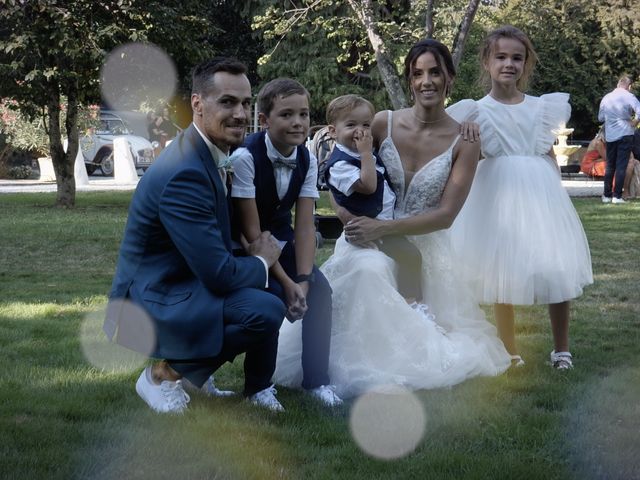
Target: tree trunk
<point>63,163</point>
<point>463,31</point>
<point>364,13</point>
<point>71,127</point>
<point>428,20</point>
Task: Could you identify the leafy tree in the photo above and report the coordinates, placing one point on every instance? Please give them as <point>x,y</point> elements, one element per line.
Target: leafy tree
<point>194,30</point>
<point>29,134</point>
<point>583,47</point>
<point>322,45</point>
<point>619,22</point>
<point>356,46</point>
<point>365,15</point>
<point>50,49</point>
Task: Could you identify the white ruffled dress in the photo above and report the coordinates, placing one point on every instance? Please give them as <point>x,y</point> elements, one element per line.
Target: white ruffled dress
<point>519,237</point>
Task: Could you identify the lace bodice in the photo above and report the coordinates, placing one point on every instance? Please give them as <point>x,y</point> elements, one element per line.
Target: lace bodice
<point>425,188</point>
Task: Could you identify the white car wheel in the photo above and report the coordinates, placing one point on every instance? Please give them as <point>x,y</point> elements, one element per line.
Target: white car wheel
<point>106,164</point>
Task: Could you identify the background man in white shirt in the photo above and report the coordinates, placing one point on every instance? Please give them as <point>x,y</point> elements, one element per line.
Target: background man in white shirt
<point>620,112</point>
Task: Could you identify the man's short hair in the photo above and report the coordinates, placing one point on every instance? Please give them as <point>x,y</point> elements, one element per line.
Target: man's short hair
<point>342,105</point>
<point>202,75</point>
<point>278,88</point>
<point>624,81</point>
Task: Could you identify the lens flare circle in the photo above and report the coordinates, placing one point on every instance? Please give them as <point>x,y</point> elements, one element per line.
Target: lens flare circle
<point>137,73</point>
<point>110,356</point>
<point>387,422</point>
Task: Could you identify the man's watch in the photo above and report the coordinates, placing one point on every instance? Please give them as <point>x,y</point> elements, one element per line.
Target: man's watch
<point>311,277</point>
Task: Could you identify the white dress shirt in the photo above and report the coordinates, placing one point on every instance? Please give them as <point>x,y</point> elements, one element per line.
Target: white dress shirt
<point>617,109</point>
<point>244,173</point>
<point>220,158</point>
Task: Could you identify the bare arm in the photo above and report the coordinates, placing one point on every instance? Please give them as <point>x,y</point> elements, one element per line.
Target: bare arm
<point>368,180</point>
<point>250,227</point>
<point>379,128</point>
<point>305,238</point>
<point>466,156</point>
<point>602,149</point>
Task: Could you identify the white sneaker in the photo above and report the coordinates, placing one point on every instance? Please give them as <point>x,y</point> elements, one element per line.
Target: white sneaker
<point>326,394</point>
<point>168,397</point>
<point>517,361</point>
<point>606,199</point>
<point>211,390</point>
<point>618,200</point>
<point>267,398</point>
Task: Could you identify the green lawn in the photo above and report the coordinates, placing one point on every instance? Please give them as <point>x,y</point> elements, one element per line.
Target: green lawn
<point>63,418</point>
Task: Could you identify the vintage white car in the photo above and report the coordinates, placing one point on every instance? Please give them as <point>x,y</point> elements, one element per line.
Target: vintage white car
<point>97,148</point>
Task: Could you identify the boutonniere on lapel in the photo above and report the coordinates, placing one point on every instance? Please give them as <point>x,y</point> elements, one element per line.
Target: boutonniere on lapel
<point>226,165</point>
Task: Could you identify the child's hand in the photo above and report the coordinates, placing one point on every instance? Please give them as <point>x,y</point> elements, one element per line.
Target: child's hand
<point>363,141</point>
<point>296,301</point>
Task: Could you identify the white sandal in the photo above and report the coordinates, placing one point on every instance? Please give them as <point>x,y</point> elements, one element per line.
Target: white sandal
<point>561,360</point>
<point>517,361</point>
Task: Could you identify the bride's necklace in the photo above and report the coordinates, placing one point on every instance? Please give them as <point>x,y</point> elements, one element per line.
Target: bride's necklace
<point>426,122</point>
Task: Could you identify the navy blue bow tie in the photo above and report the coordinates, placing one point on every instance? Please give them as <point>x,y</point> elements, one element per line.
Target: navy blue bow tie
<point>286,162</point>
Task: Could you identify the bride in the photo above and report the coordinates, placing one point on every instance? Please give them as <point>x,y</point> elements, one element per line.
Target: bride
<point>377,338</point>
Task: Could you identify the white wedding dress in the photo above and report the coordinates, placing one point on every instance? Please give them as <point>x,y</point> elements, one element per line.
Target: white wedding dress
<point>377,338</point>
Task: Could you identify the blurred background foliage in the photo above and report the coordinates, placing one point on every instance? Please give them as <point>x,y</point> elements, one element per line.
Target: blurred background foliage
<point>583,46</point>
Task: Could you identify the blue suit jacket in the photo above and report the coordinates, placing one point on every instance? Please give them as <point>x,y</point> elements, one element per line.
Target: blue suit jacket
<point>176,259</point>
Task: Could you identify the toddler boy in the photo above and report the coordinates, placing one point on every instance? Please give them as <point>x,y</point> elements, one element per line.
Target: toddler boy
<point>359,183</point>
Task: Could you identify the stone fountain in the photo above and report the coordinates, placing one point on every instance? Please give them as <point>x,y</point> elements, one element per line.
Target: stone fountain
<point>561,149</point>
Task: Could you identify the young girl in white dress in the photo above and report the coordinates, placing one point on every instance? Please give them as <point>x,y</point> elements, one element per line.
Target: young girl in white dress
<point>518,233</point>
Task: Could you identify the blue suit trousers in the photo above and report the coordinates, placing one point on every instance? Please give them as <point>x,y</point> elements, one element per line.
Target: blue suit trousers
<point>618,153</point>
<point>316,324</point>
<point>249,330</point>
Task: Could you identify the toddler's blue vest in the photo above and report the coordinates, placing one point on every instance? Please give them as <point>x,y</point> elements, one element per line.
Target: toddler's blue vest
<point>275,214</point>
<point>358,204</point>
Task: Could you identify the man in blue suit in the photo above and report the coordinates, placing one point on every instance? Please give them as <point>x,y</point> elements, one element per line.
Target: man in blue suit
<point>176,263</point>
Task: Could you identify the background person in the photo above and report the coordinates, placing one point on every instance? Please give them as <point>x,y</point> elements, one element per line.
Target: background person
<point>620,112</point>
<point>594,161</point>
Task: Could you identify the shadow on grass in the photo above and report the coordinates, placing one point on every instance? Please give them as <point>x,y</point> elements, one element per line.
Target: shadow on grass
<point>603,427</point>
